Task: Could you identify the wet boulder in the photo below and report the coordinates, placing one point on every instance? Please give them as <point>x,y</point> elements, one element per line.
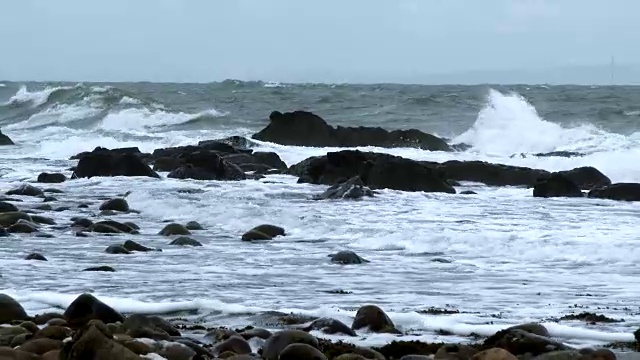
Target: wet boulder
<point>26,190</point>
<point>5,140</point>
<point>23,227</point>
<point>376,170</point>
<point>51,178</point>
<point>35,256</point>
<point>494,354</point>
<point>107,225</point>
<point>301,351</point>
<point>522,339</point>
<point>618,191</point>
<point>94,341</point>
<point>556,185</point>
<point>193,225</point>
<point>207,165</point>
<point>185,241</point>
<point>11,310</point>
<point>150,327</point>
<point>7,207</point>
<point>329,326</point>
<point>134,246</point>
<point>347,257</point>
<point>174,229</point>
<point>87,307</point>
<point>40,346</point>
<point>353,188</point>
<point>373,318</point>
<point>110,163</point>
<point>302,128</point>
<point>454,352</point>
<point>102,268</point>
<point>586,177</point>
<point>117,249</point>
<point>234,343</point>
<point>488,173</point>
<point>117,204</point>
<point>263,232</point>
<point>277,342</point>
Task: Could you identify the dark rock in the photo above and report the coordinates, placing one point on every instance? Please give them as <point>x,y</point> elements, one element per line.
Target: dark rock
<point>270,159</point>
<point>274,345</point>
<point>376,170</point>
<point>270,230</point>
<point>100,268</point>
<point>235,343</point>
<point>346,257</point>
<point>134,246</point>
<point>11,310</point>
<point>31,326</point>
<point>117,249</point>
<point>117,151</point>
<point>256,332</point>
<point>302,128</point>
<point>586,177</point>
<point>7,207</point>
<point>185,241</point>
<point>86,307</point>
<point>35,256</point>
<point>120,227</point>
<point>618,191</point>
<point>26,190</point>
<point>95,342</point>
<point>5,140</point>
<point>104,229</point>
<point>40,346</point>
<point>3,232</point>
<point>42,319</point>
<point>239,143</point>
<point>398,349</point>
<point>301,351</point>
<point>207,165</point>
<point>81,222</point>
<point>38,219</point>
<point>330,326</point>
<point>14,354</point>
<point>53,332</point>
<point>556,185</point>
<point>193,225</point>
<point>455,352</point>
<point>151,327</point>
<point>177,351</point>
<point>117,204</point>
<point>494,354</point>
<point>374,318</point>
<point>49,199</point>
<point>111,163</point>
<point>351,189</point>
<point>51,178</point>
<point>468,192</point>
<point>566,154</point>
<point>23,227</point>
<point>489,174</point>
<point>519,340</point>
<point>174,229</point>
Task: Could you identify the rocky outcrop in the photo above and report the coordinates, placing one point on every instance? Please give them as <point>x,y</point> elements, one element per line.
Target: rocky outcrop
<point>104,162</point>
<point>5,140</point>
<point>488,173</point>
<point>95,341</point>
<point>618,191</point>
<point>351,189</point>
<point>87,307</point>
<point>556,185</point>
<point>206,165</point>
<point>302,128</point>
<point>586,177</point>
<point>376,170</point>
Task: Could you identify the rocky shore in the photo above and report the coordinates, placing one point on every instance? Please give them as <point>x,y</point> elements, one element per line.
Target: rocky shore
<point>89,329</point>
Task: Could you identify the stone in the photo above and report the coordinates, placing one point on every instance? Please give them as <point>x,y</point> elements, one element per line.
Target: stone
<point>11,310</point>
<point>51,178</point>
<point>185,241</point>
<point>174,229</point>
<point>26,190</point>
<point>275,344</point>
<point>35,256</point>
<point>374,318</point>
<point>117,204</point>
<point>86,307</point>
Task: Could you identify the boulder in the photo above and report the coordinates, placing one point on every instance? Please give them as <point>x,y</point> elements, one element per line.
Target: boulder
<point>376,170</point>
<point>5,140</point>
<point>302,128</point>
<point>174,229</point>
<point>494,354</point>
<point>106,224</point>
<point>117,151</point>
<point>150,327</point>
<point>35,256</point>
<point>23,227</point>
<point>353,188</point>
<point>185,241</point>
<point>347,257</point>
<point>586,177</point>
<point>116,249</point>
<point>234,343</point>
<point>40,346</point>
<point>134,246</point>
<point>117,204</point>
<point>7,207</point>
<point>454,352</point>
<point>556,185</point>
<point>55,332</point>
<point>301,351</point>
<point>488,173</point>
<point>11,310</point>
<point>95,342</point>
<point>330,326</point>
<point>86,307</point>
<point>206,165</point>
<point>103,268</point>
<point>277,342</point>
<point>373,318</point>
<point>15,354</point>
<point>618,191</point>
<point>51,178</point>
<point>26,190</point>
<point>263,232</point>
<point>523,339</point>
<point>193,225</point>
<point>110,163</point>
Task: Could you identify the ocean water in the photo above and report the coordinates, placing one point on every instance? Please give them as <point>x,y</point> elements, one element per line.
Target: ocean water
<point>500,257</point>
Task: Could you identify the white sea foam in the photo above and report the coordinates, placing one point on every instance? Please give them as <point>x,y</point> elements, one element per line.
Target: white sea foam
<point>126,100</point>
<point>144,119</point>
<point>36,98</point>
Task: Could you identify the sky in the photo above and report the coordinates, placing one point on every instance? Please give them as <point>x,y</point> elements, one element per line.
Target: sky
<point>313,40</point>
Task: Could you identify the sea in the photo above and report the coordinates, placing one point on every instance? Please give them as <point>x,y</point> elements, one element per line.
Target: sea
<point>492,260</point>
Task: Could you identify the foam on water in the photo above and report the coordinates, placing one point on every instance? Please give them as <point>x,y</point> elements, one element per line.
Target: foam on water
<point>36,98</point>
<point>145,119</point>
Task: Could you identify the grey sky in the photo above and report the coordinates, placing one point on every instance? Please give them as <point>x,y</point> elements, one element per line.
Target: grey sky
<point>306,40</point>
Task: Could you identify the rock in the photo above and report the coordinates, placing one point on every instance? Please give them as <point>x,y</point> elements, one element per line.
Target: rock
<point>219,334</point>
<point>35,256</point>
<point>185,241</point>
<point>346,257</point>
<point>193,225</point>
<point>53,178</point>
<point>40,346</point>
<point>207,165</point>
<point>81,222</point>
<point>107,226</point>
<point>134,246</point>
<point>174,229</point>
<point>468,192</point>
<point>104,229</point>
<point>7,207</point>
<point>351,189</point>
<point>86,307</point>
<point>53,332</point>
<point>376,170</point>
<point>5,140</point>
<point>131,225</point>
<point>489,174</point>
<point>100,268</point>
<point>618,191</point>
<point>270,159</point>
<point>3,232</point>
<point>116,249</point>
<point>117,204</point>
<point>519,341</point>
<point>562,355</point>
<point>270,230</point>
<point>14,354</point>
<point>374,318</point>
<point>38,219</point>
<point>11,310</point>
<point>330,326</point>
<point>253,235</point>
<point>586,177</point>
<point>454,352</point>
<point>256,332</point>
<point>23,227</point>
<point>177,351</point>
<point>302,128</point>
<point>301,351</point>
<point>94,342</point>
<point>42,319</point>
<point>275,344</point>
<point>153,323</point>
<point>494,354</point>
<point>556,185</point>
<point>26,190</point>
<point>110,163</point>
<point>31,326</point>
<point>117,151</point>
<point>235,343</point>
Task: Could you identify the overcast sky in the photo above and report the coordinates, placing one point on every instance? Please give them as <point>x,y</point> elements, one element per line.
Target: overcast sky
<point>306,40</point>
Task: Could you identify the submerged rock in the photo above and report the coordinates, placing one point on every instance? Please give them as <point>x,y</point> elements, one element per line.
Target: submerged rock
<point>302,128</point>
<point>193,225</point>
<point>51,178</point>
<point>134,246</point>
<point>35,256</point>
<point>117,204</point>
<point>618,191</point>
<point>351,189</point>
<point>263,232</point>
<point>174,229</point>
<point>100,268</point>
<point>112,163</point>
<point>556,185</point>
<point>206,165</point>
<point>117,249</point>
<point>185,241</point>
<point>26,190</point>
<point>7,207</point>
<point>347,257</point>
<point>330,326</point>
<point>5,140</point>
